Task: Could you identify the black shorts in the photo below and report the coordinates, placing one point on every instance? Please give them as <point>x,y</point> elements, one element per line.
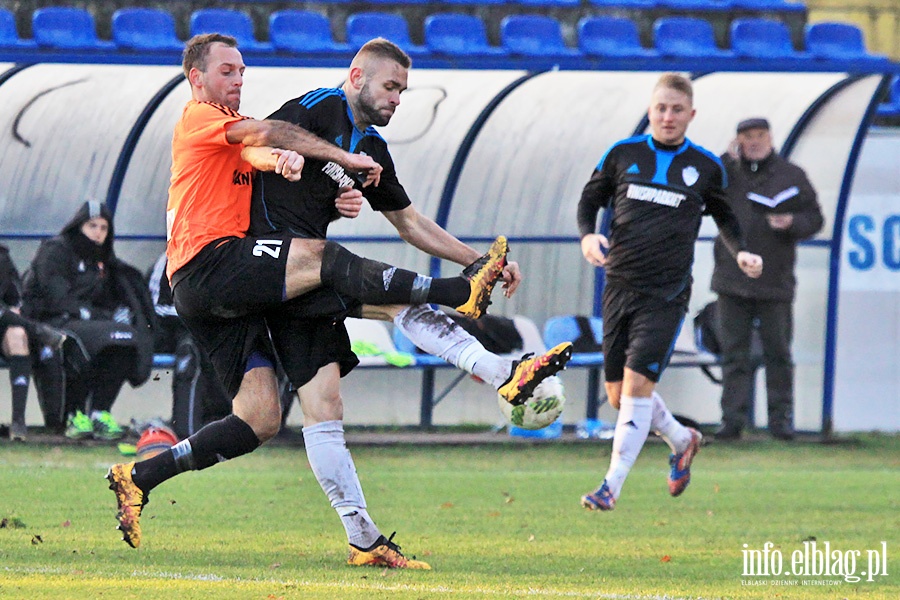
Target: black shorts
<point>639,332</point>
<point>232,277</point>
<point>221,296</point>
<point>309,333</point>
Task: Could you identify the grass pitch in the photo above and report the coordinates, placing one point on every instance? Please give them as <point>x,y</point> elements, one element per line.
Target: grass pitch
<point>494,521</point>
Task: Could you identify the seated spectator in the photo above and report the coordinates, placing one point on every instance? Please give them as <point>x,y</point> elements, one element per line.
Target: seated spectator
<point>197,395</point>
<point>76,282</point>
<point>15,332</point>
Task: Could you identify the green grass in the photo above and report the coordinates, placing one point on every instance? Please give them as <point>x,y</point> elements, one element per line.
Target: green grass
<point>494,521</point>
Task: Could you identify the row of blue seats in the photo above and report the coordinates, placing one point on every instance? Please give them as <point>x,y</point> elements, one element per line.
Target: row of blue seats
<point>302,32</point>
<point>698,5</point>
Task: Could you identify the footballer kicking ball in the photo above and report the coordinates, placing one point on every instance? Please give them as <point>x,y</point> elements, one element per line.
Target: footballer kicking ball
<point>541,409</point>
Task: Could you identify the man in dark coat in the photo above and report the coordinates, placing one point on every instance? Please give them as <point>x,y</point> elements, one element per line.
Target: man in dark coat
<point>76,282</point>
<point>776,206</point>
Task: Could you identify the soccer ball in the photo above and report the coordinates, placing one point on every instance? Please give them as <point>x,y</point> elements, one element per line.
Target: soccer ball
<point>154,440</point>
<point>541,409</point>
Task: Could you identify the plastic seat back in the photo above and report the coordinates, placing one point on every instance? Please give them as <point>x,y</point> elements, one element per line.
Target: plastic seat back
<point>610,36</point>
<point>144,29</point>
<point>302,31</point>
<point>534,35</point>
<point>761,38</point>
<point>455,34</point>
<point>835,40</point>
<point>685,36</point>
<point>66,28</point>
<point>235,23</point>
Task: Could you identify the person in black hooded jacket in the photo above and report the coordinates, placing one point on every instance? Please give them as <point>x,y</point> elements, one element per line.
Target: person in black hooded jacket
<point>77,283</point>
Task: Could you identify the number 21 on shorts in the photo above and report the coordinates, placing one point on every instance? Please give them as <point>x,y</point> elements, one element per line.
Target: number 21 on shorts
<point>270,247</point>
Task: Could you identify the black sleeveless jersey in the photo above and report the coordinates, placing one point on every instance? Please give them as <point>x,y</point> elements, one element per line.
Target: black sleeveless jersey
<point>657,195</point>
<point>306,207</point>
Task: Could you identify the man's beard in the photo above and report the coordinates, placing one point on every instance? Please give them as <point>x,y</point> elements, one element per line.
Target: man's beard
<point>367,107</point>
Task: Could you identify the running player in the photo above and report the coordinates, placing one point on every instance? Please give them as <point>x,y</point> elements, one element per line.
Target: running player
<point>658,187</point>
<point>222,279</point>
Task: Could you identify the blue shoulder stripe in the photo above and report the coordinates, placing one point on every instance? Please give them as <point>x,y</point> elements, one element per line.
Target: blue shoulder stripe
<point>314,97</point>
<point>371,131</point>
<point>631,140</point>
<point>715,159</point>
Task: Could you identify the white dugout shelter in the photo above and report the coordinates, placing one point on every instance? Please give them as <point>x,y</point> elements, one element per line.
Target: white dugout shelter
<point>507,151</point>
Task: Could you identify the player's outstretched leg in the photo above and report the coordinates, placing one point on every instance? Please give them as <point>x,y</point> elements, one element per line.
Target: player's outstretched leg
<point>680,463</point>
<point>384,553</point>
<point>377,283</point>
<point>131,501</point>
<point>483,275</point>
<point>531,370</point>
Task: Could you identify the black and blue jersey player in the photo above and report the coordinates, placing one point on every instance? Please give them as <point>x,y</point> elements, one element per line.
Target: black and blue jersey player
<point>309,333</point>
<point>658,187</point>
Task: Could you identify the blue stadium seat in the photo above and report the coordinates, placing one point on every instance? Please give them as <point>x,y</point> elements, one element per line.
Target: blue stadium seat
<point>230,22</point>
<point>626,4</point>
<point>762,38</point>
<point>769,5</point>
<point>145,29</point>
<point>476,2</point>
<point>300,31</point>
<point>362,27</point>
<point>697,5</point>
<point>891,108</point>
<point>835,40</point>
<point>686,37</point>
<point>534,35</point>
<point>9,37</point>
<point>66,28</point>
<point>548,3</point>
<point>564,328</point>
<point>611,36</point>
<point>458,35</point>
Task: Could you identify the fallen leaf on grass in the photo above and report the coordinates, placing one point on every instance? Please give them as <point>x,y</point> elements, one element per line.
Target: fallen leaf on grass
<point>666,558</point>
<point>36,539</point>
<point>66,523</point>
<point>716,488</point>
<point>531,538</point>
<point>447,505</point>
<point>494,513</point>
<point>274,565</point>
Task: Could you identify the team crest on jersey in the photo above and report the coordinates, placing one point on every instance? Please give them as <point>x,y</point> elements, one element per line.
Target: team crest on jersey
<point>690,175</point>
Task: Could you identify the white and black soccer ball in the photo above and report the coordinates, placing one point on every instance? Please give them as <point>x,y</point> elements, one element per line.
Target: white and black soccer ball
<point>541,409</point>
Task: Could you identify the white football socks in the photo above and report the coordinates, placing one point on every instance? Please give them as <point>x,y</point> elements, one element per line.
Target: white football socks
<point>676,435</point>
<point>333,467</point>
<point>632,428</point>
<point>437,334</point>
